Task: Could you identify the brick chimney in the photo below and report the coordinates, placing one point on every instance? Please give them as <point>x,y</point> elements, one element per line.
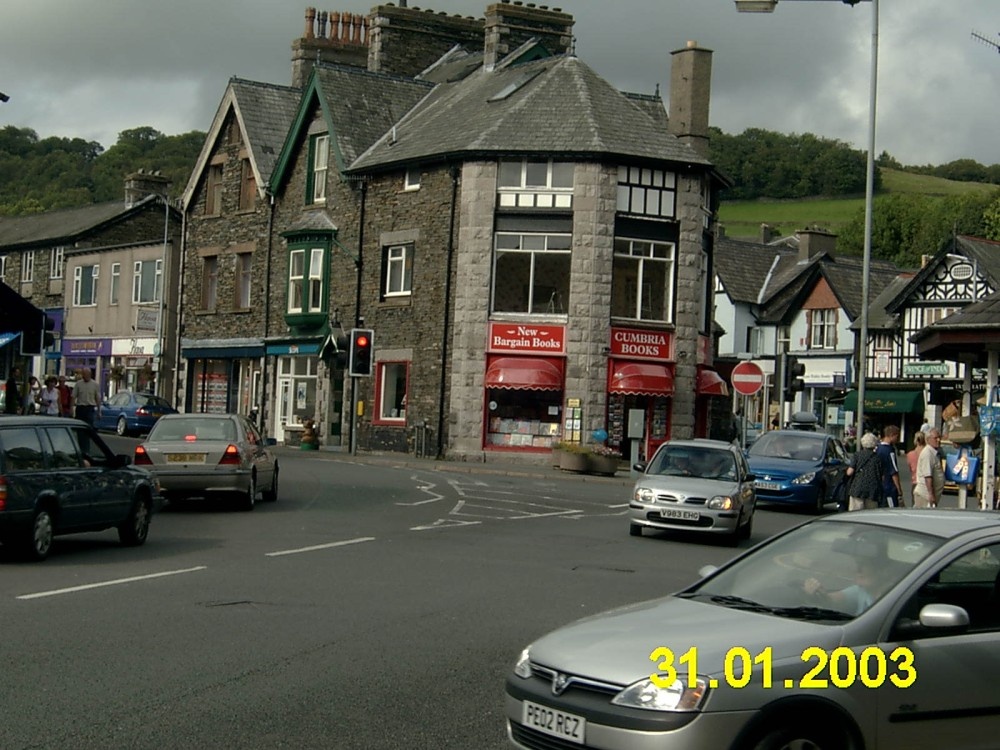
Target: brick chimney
<point>509,25</point>
<point>406,41</point>
<point>690,92</point>
<point>814,242</point>
<point>142,184</point>
<point>329,37</point>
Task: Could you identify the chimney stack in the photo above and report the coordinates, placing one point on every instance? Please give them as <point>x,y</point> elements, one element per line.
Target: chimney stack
<point>509,25</point>
<point>346,43</point>
<point>814,242</point>
<point>690,93</point>
<point>406,41</point>
<point>142,184</point>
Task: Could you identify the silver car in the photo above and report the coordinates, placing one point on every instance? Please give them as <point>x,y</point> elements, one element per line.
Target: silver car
<point>873,629</point>
<point>694,485</point>
<point>203,455</point>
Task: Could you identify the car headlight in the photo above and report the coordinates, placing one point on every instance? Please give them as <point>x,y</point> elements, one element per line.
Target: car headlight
<point>804,478</point>
<point>720,502</point>
<point>644,495</point>
<point>677,697</point>
<point>522,667</point>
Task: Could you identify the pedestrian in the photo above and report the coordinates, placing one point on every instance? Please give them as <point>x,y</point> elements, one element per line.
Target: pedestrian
<point>50,397</point>
<point>865,472</point>
<point>919,441</point>
<point>65,397</point>
<point>30,397</point>
<point>87,397</point>
<point>12,392</point>
<point>930,477</point>
<point>892,491</point>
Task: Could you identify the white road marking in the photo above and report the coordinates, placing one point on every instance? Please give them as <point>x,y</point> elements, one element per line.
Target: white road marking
<point>319,547</point>
<point>619,505</point>
<point>443,522</point>
<point>115,582</point>
<point>428,488</point>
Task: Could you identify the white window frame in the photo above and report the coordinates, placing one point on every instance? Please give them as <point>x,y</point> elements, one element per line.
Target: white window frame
<point>411,179</point>
<point>636,255</point>
<point>243,279</point>
<point>296,257</point>
<point>115,285</point>
<point>3,267</point>
<point>137,278</point>
<point>95,272</point>
<point>398,270</point>
<point>823,329</point>
<point>57,262</point>
<point>643,191</point>
<point>527,166</point>
<point>320,167</point>
<point>210,282</point>
<point>316,256</point>
<point>28,267</point>
<point>387,392</point>
<point>530,238</point>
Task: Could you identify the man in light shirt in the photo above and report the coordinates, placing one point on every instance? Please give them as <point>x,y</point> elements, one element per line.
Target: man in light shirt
<point>87,398</point>
<point>929,482</point>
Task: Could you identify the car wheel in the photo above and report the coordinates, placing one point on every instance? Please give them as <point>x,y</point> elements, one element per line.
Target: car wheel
<point>815,735</point>
<point>122,427</point>
<point>821,498</point>
<point>133,531</point>
<point>746,530</point>
<point>271,494</point>
<point>39,543</point>
<point>634,529</point>
<point>250,496</point>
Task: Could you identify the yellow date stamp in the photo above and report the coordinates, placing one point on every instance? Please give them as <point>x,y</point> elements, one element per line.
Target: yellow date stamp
<point>842,668</point>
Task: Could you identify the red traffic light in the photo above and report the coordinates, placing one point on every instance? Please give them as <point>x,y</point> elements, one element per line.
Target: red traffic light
<point>361,341</point>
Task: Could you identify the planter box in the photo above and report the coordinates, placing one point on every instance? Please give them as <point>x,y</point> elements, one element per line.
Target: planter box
<point>603,465</point>
<point>573,462</point>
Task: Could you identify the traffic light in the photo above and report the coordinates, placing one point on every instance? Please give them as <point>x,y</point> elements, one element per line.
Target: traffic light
<point>794,370</point>
<point>341,344</point>
<point>36,341</point>
<point>360,361</point>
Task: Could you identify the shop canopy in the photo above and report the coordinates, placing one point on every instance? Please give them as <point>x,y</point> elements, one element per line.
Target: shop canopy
<point>16,313</point>
<point>642,378</point>
<point>885,402</point>
<point>710,383</point>
<point>525,374</point>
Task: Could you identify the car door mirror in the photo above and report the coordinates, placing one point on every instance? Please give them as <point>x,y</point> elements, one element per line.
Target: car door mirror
<point>750,478</point>
<point>640,466</point>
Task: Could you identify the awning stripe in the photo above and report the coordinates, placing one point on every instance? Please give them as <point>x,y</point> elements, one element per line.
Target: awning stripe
<point>642,379</point>
<point>525,373</point>
<point>710,383</point>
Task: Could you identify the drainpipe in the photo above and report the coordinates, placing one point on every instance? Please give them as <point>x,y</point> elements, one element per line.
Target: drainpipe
<point>180,313</point>
<point>359,265</point>
<point>447,310</point>
<point>264,413</point>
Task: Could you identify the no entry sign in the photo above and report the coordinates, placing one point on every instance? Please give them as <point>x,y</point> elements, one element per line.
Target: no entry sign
<point>747,378</point>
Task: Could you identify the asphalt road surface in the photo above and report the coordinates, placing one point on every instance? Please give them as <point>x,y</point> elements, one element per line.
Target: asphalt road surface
<point>372,606</point>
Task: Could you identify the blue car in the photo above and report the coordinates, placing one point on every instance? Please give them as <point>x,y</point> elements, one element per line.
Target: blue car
<point>132,412</point>
<point>797,467</point>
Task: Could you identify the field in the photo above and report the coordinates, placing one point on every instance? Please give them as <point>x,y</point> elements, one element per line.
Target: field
<point>742,219</point>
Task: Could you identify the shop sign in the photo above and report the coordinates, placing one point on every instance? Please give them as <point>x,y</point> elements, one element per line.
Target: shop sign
<point>77,347</point>
<point>515,337</point>
<point>634,343</point>
<point>925,368</point>
<point>147,319</point>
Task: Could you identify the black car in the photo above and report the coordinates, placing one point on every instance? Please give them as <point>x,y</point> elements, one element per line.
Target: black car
<point>57,476</point>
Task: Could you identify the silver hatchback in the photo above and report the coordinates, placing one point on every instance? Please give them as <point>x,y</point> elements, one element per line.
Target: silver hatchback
<point>694,485</point>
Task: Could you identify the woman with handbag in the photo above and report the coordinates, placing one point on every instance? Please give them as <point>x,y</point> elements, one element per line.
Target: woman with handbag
<point>866,476</point>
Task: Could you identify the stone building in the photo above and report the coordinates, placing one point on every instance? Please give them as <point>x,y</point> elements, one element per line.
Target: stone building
<point>531,246</point>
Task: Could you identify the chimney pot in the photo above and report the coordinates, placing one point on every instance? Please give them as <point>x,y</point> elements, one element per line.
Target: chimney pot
<point>310,19</point>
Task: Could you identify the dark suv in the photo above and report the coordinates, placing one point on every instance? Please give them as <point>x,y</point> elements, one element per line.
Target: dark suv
<point>57,476</point>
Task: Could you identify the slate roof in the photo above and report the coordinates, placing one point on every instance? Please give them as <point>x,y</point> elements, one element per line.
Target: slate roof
<point>743,267</point>
<point>265,113</point>
<point>984,314</point>
<point>61,226</point>
<point>556,105</point>
<point>878,317</point>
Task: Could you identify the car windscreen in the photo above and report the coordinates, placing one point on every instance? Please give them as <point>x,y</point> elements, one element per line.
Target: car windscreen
<point>821,571</point>
<point>798,447</point>
<point>198,428</point>
<point>693,461</point>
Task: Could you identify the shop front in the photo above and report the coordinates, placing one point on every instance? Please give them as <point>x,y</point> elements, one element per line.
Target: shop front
<point>296,395</point>
<point>223,377</point>
<point>132,365</point>
<point>903,408</point>
<point>713,414</point>
<point>524,384</point>
<point>640,377</point>
<point>92,353</point>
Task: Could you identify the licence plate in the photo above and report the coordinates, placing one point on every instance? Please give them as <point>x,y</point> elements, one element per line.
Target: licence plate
<point>683,515</point>
<point>185,458</point>
<point>569,727</point>
<point>767,485</point>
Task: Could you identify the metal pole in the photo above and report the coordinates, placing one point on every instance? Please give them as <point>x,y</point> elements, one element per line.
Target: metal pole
<point>869,200</point>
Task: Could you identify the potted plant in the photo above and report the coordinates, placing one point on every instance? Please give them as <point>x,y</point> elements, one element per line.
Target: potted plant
<point>310,441</point>
<point>603,460</point>
<point>573,457</point>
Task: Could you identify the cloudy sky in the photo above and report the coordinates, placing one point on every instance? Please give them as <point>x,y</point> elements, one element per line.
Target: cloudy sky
<point>93,68</point>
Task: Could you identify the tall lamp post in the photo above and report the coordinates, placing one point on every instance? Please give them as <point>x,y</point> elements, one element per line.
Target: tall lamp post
<point>768,6</point>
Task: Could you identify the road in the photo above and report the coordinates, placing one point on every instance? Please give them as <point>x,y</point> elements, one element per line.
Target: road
<point>372,606</point>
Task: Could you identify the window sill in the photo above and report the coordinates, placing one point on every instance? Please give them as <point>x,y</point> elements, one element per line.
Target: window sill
<point>401,301</point>
<point>389,422</point>
<point>664,324</point>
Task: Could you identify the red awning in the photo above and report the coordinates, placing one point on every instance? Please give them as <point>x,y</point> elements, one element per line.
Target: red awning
<point>710,383</point>
<point>643,378</point>
<point>525,374</point>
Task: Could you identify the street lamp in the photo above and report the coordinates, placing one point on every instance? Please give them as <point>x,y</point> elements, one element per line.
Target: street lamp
<point>767,6</point>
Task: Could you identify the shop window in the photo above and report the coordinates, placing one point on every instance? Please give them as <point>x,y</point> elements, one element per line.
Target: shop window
<point>210,282</point>
<point>647,192</point>
<point>523,418</point>
<point>85,285</point>
<point>248,186</point>
<point>397,263</point>
<point>319,151</point>
<point>531,273</point>
<point>243,280</point>
<point>213,190</point>
<point>296,389</point>
<point>643,279</point>
<point>391,387</point>
<point>147,279</point>
<point>115,285</point>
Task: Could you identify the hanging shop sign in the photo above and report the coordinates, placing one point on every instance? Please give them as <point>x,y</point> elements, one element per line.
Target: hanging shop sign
<point>527,337</point>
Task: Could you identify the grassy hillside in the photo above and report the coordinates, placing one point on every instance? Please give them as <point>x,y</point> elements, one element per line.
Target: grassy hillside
<point>743,218</point>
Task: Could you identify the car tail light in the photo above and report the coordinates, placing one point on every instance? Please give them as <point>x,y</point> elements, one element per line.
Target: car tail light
<point>231,456</point>
<point>3,493</point>
<point>142,411</point>
<point>141,457</point>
